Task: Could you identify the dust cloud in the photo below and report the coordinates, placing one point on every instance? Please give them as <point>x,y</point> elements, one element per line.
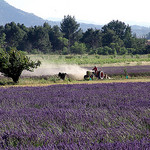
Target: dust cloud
<point>73,71</point>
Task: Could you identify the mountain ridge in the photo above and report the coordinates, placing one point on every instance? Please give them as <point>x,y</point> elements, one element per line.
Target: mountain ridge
<point>9,14</point>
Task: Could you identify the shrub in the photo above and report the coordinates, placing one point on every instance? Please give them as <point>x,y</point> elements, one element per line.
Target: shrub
<point>78,48</point>
<point>65,51</point>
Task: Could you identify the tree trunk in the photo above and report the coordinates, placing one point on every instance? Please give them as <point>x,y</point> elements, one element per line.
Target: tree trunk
<point>15,79</point>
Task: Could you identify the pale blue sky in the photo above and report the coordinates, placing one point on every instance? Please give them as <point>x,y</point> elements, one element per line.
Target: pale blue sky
<point>93,11</point>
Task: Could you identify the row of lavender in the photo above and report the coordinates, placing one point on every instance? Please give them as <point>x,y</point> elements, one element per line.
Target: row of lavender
<point>131,70</point>
<point>97,116</point>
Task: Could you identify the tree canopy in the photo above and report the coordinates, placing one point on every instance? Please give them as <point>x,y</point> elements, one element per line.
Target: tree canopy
<point>13,62</point>
<point>69,28</point>
<point>68,38</point>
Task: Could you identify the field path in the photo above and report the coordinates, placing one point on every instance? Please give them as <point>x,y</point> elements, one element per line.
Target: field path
<point>81,82</point>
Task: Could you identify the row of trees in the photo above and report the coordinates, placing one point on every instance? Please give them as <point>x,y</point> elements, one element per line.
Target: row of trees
<point>68,38</point>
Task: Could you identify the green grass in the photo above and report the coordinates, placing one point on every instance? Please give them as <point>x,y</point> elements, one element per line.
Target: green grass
<point>90,59</point>
<point>42,81</point>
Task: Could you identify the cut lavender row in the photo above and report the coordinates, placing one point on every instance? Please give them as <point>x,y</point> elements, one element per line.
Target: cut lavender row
<point>120,70</point>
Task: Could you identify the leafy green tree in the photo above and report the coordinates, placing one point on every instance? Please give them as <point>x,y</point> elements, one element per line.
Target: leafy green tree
<point>139,45</point>
<point>63,42</point>
<point>115,48</point>
<point>38,38</point>
<point>14,34</point>
<point>23,43</point>
<point>147,50</point>
<point>30,40</point>
<point>42,42</point>
<point>100,51</point>
<point>131,51</point>
<point>23,27</point>
<point>13,62</point>
<point>78,48</point>
<point>106,50</point>
<point>1,29</point>
<point>109,37</point>
<point>70,28</point>
<point>65,51</point>
<point>2,40</point>
<point>118,27</point>
<point>117,32</point>
<point>55,35</point>
<point>2,37</point>
<point>122,51</point>
<point>92,38</point>
<point>128,37</point>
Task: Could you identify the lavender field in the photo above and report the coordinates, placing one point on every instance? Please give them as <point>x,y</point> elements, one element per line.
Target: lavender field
<point>131,70</point>
<point>70,117</point>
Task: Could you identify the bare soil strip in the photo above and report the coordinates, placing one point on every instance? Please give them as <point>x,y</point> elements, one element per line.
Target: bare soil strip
<point>82,82</point>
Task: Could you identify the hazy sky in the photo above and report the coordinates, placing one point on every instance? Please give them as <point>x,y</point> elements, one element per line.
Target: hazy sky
<point>93,11</point>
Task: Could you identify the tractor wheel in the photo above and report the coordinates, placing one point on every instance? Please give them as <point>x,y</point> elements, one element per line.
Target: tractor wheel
<point>86,77</point>
<point>101,75</point>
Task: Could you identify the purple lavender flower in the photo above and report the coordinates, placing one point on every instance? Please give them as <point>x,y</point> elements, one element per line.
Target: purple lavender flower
<point>85,116</point>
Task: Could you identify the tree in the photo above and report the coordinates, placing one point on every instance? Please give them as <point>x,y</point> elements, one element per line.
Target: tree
<point>128,37</point>
<point>109,37</point>
<point>139,45</point>
<point>23,43</point>
<point>78,48</point>
<point>69,27</point>
<point>92,38</point>
<point>38,38</point>
<point>122,51</point>
<point>118,27</point>
<point>63,42</point>
<point>14,34</point>
<point>13,62</point>
<point>2,39</point>
<point>42,42</point>
<point>54,36</point>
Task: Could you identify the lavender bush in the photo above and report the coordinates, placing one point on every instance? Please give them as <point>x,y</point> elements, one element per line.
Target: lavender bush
<point>96,116</point>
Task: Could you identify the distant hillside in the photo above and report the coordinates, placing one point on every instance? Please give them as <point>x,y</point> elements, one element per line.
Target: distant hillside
<point>140,30</point>
<point>9,13</point>
<point>85,26</point>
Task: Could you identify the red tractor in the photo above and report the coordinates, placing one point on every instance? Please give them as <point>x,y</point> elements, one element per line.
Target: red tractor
<point>98,74</point>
